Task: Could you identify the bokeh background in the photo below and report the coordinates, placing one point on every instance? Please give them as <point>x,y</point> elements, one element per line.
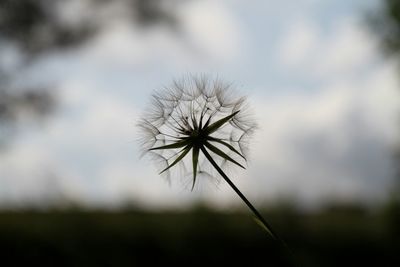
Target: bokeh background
<point>322,78</point>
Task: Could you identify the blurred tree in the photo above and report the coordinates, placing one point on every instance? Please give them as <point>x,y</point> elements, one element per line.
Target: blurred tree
<point>150,12</point>
<point>36,26</point>
<point>386,24</point>
<point>14,106</point>
<point>41,25</point>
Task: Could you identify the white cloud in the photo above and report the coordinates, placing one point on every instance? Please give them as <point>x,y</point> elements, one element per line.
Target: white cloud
<point>211,29</point>
<point>347,49</point>
<point>207,37</point>
<point>298,44</point>
<point>308,49</point>
<point>333,143</point>
<point>123,44</point>
<point>207,34</point>
<point>90,129</point>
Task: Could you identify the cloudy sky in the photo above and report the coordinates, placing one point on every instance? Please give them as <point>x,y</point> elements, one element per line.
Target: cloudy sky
<point>326,102</point>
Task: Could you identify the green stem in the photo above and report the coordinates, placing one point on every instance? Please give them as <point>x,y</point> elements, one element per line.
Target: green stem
<point>247,202</point>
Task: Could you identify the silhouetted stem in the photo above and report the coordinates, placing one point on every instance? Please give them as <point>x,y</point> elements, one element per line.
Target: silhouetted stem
<point>246,201</point>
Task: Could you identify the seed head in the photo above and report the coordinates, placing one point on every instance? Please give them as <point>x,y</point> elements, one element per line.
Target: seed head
<point>192,115</point>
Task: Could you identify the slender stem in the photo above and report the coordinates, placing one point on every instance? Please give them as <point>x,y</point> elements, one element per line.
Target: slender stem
<point>246,201</point>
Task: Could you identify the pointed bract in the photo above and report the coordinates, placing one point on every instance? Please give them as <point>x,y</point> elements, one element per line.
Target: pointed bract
<point>216,125</point>
<point>178,144</point>
<point>181,156</point>
<point>210,138</point>
<point>195,161</point>
<point>222,154</point>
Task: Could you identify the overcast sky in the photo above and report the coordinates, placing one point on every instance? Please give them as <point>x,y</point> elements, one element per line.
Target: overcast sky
<point>326,102</point>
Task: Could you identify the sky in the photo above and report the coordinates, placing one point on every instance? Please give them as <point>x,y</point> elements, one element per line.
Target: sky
<point>325,100</point>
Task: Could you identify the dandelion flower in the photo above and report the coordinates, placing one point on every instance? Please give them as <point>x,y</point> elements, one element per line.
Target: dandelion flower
<point>199,125</point>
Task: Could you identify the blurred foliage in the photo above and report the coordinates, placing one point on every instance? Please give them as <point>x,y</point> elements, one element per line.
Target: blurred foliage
<point>31,102</point>
<point>386,24</point>
<point>17,106</point>
<point>37,27</point>
<point>150,12</point>
<point>338,236</point>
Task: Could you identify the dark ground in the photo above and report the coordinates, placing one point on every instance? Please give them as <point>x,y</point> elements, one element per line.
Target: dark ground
<point>336,236</point>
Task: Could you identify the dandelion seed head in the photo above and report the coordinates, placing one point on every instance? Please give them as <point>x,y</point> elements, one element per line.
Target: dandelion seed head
<point>191,115</point>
